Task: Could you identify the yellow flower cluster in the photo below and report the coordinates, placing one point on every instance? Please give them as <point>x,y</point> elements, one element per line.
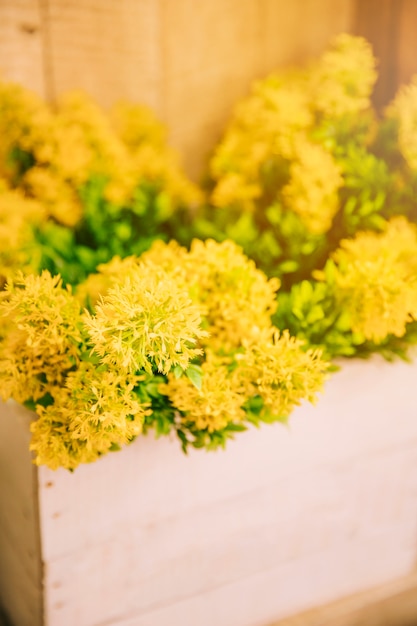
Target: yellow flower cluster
<point>236,298</point>
<point>146,320</point>
<point>264,127</point>
<point>276,368</point>
<point>217,403</point>
<point>17,248</point>
<point>312,191</point>
<point>25,124</point>
<point>376,280</point>
<point>271,152</point>
<point>404,111</point>
<point>81,371</point>
<point>244,357</point>
<point>145,140</point>
<point>343,79</point>
<point>271,370</point>
<point>52,155</point>
<point>93,413</point>
<point>41,344</point>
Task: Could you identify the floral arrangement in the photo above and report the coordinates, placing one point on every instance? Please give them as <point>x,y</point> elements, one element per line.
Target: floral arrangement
<point>320,191</point>
<point>302,247</point>
<point>108,330</point>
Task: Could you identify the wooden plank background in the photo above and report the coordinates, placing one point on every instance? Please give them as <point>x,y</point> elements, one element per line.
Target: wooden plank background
<point>190,61</point>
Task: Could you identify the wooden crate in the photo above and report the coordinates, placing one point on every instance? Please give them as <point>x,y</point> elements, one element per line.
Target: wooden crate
<point>285,519</point>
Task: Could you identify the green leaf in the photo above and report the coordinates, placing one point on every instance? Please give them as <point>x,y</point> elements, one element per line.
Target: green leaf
<point>288,267</point>
<point>194,374</point>
<point>315,314</point>
<point>178,371</point>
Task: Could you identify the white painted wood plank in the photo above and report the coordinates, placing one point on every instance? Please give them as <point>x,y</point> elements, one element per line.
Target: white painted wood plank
<point>146,532</point>
<point>342,475</point>
<point>367,408</point>
<point>158,564</point>
<point>285,590</point>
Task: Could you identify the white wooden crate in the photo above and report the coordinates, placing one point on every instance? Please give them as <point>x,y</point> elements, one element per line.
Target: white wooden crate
<point>284,519</point>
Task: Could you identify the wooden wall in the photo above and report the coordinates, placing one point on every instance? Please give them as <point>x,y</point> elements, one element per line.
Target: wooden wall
<point>190,61</point>
<point>391,26</point>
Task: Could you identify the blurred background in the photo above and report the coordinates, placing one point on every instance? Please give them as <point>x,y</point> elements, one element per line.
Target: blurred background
<point>190,61</point>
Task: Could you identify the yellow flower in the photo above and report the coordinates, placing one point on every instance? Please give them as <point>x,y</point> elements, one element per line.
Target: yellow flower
<point>271,368</point>
<point>148,319</point>
<point>218,402</point>
<point>94,412</point>
<point>312,191</point>
<point>108,274</point>
<point>263,127</point>
<point>343,78</point>
<point>275,367</point>
<point>17,245</point>
<point>235,297</point>
<point>25,122</point>
<point>376,280</point>
<point>43,338</point>
<point>57,197</point>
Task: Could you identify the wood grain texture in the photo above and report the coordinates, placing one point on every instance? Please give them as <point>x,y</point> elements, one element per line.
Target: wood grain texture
<point>21,44</point>
<point>390,26</point>
<point>189,61</point>
<point>407,42</point>
<point>21,595</point>
<point>109,48</point>
<point>214,50</point>
<point>379,22</point>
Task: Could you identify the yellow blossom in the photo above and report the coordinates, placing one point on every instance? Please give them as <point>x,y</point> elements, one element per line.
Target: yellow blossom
<point>343,79</point>
<point>94,412</point>
<point>217,403</point>
<point>275,367</point>
<point>43,343</point>
<point>376,280</point>
<point>17,245</point>
<point>147,319</point>
<point>25,122</point>
<point>312,191</point>
<point>57,197</point>
<point>236,298</point>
